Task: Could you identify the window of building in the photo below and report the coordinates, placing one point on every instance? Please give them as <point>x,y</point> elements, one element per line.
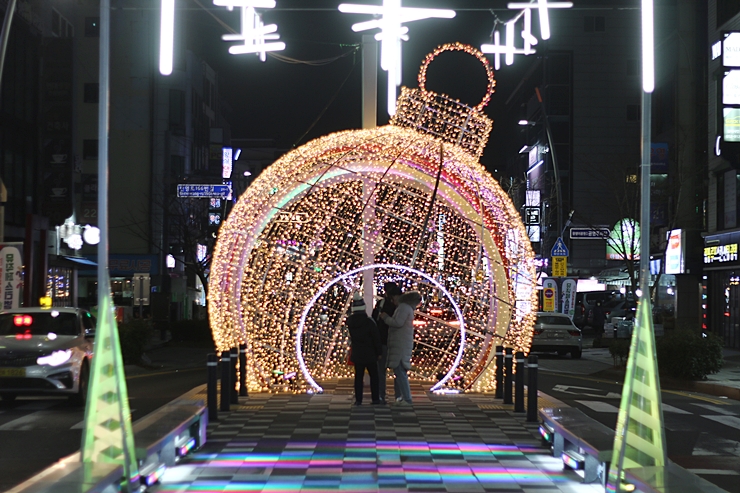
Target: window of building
<point>60,26</point>
<point>91,92</point>
<point>633,112</point>
<point>594,23</point>
<point>177,111</point>
<point>90,149</point>
<point>92,27</point>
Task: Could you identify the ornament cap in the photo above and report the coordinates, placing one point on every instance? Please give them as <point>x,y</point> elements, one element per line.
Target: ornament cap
<point>443,117</point>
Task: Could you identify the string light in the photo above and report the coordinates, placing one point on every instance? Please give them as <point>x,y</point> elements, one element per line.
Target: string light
<point>317,215</point>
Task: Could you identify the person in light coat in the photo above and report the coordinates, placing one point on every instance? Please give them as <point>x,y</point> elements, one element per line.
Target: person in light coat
<point>401,341</point>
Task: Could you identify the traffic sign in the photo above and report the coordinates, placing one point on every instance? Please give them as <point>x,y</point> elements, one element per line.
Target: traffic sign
<point>560,267</point>
<point>531,215</point>
<point>589,233</point>
<point>559,249</point>
<point>548,300</point>
<point>203,191</point>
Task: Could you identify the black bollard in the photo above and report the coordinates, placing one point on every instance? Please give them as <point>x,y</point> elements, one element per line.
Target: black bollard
<point>212,392</point>
<point>499,372</point>
<point>508,381</point>
<point>243,370</point>
<point>234,360</point>
<point>519,384</point>
<point>532,389</point>
<point>225,379</point>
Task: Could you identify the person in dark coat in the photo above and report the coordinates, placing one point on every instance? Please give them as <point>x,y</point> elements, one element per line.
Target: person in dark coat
<point>386,305</point>
<point>597,322</point>
<point>365,348</point>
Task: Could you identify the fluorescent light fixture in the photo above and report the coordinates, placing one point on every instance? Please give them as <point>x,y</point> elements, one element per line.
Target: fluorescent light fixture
<point>542,9</point>
<point>254,33</point>
<point>537,164</point>
<point>247,173</point>
<point>524,149</point>
<point>392,16</point>
<point>648,47</point>
<point>237,154</point>
<point>167,37</point>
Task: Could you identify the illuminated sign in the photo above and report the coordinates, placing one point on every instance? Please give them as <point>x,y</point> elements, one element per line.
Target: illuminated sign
<point>623,242</point>
<point>674,256</point>
<point>716,50</point>
<point>227,162</point>
<point>204,191</point>
<point>731,50</point>
<point>720,253</point>
<point>731,124</point>
<point>531,215</point>
<point>731,87</point>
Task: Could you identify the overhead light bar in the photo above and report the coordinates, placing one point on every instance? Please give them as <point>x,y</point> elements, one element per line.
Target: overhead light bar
<point>167,37</point>
<point>392,32</point>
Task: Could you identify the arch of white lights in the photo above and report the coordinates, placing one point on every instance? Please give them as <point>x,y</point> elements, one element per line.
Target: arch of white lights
<point>403,268</point>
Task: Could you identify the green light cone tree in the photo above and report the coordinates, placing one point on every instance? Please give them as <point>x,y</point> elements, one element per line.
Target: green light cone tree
<point>108,435</point>
<point>640,438</point>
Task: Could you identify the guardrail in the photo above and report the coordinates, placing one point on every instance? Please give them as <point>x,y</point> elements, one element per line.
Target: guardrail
<point>585,444</point>
<point>160,438</point>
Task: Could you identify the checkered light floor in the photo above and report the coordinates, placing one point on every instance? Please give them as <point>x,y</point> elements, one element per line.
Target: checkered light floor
<point>444,443</point>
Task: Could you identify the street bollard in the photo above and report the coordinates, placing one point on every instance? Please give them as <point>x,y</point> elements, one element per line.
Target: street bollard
<point>532,389</point>
<point>508,369</point>
<point>234,360</point>
<point>243,370</point>
<point>499,372</point>
<point>519,384</point>
<point>225,379</point>
<point>212,392</point>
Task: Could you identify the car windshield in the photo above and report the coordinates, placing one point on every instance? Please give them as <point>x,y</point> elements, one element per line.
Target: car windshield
<point>552,320</point>
<point>36,324</point>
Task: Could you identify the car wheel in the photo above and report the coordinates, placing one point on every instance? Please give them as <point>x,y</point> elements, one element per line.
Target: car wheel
<point>8,397</point>
<point>80,397</point>
<point>575,354</point>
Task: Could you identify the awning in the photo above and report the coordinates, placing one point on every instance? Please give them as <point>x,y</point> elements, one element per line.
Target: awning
<point>79,260</point>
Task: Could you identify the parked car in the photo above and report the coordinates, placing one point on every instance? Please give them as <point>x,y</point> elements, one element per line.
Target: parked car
<point>46,351</point>
<point>556,332</point>
<point>618,308</point>
<point>588,299</point>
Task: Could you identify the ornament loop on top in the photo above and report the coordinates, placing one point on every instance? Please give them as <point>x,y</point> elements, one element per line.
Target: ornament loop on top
<point>466,49</point>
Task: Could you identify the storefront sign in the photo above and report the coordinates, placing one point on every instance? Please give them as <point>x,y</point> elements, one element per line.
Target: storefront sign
<point>731,87</point>
<point>720,253</point>
<point>674,253</point>
<point>731,50</point>
<point>11,274</point>
<point>548,300</point>
<point>731,124</point>
<point>569,297</point>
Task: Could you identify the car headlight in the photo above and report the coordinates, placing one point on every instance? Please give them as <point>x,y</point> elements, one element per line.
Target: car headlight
<point>55,359</point>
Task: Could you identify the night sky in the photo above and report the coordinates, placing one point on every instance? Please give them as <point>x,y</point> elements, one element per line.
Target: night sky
<point>294,103</point>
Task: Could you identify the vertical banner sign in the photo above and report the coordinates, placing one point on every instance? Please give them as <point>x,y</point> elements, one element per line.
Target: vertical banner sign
<point>11,271</point>
<point>549,295</point>
<point>569,297</point>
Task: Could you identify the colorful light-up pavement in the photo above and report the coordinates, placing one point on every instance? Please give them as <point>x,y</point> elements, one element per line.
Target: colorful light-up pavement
<point>276,442</point>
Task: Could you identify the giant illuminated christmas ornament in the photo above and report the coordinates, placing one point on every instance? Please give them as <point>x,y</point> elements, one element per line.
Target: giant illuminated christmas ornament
<point>406,202</point>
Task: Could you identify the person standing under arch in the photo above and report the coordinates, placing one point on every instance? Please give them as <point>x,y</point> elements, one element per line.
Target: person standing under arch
<point>386,305</point>
<point>401,341</point>
<point>365,348</point>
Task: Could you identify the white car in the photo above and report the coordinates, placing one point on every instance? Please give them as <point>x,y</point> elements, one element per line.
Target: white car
<point>556,332</point>
<point>46,351</point>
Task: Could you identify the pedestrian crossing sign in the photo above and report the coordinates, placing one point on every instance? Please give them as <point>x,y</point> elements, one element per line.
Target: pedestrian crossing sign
<point>559,249</point>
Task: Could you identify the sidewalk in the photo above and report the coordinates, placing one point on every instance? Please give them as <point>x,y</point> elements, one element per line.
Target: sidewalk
<point>445,443</point>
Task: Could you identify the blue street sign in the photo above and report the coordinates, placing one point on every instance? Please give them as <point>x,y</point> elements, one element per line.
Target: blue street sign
<point>203,191</point>
<point>559,249</point>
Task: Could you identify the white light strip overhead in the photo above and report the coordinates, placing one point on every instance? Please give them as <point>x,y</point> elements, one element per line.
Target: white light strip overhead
<point>254,34</point>
<point>509,50</point>
<point>167,37</point>
<point>347,275</point>
<point>392,32</point>
<point>648,48</point>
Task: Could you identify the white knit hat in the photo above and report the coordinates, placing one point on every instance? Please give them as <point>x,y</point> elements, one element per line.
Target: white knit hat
<point>358,303</point>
